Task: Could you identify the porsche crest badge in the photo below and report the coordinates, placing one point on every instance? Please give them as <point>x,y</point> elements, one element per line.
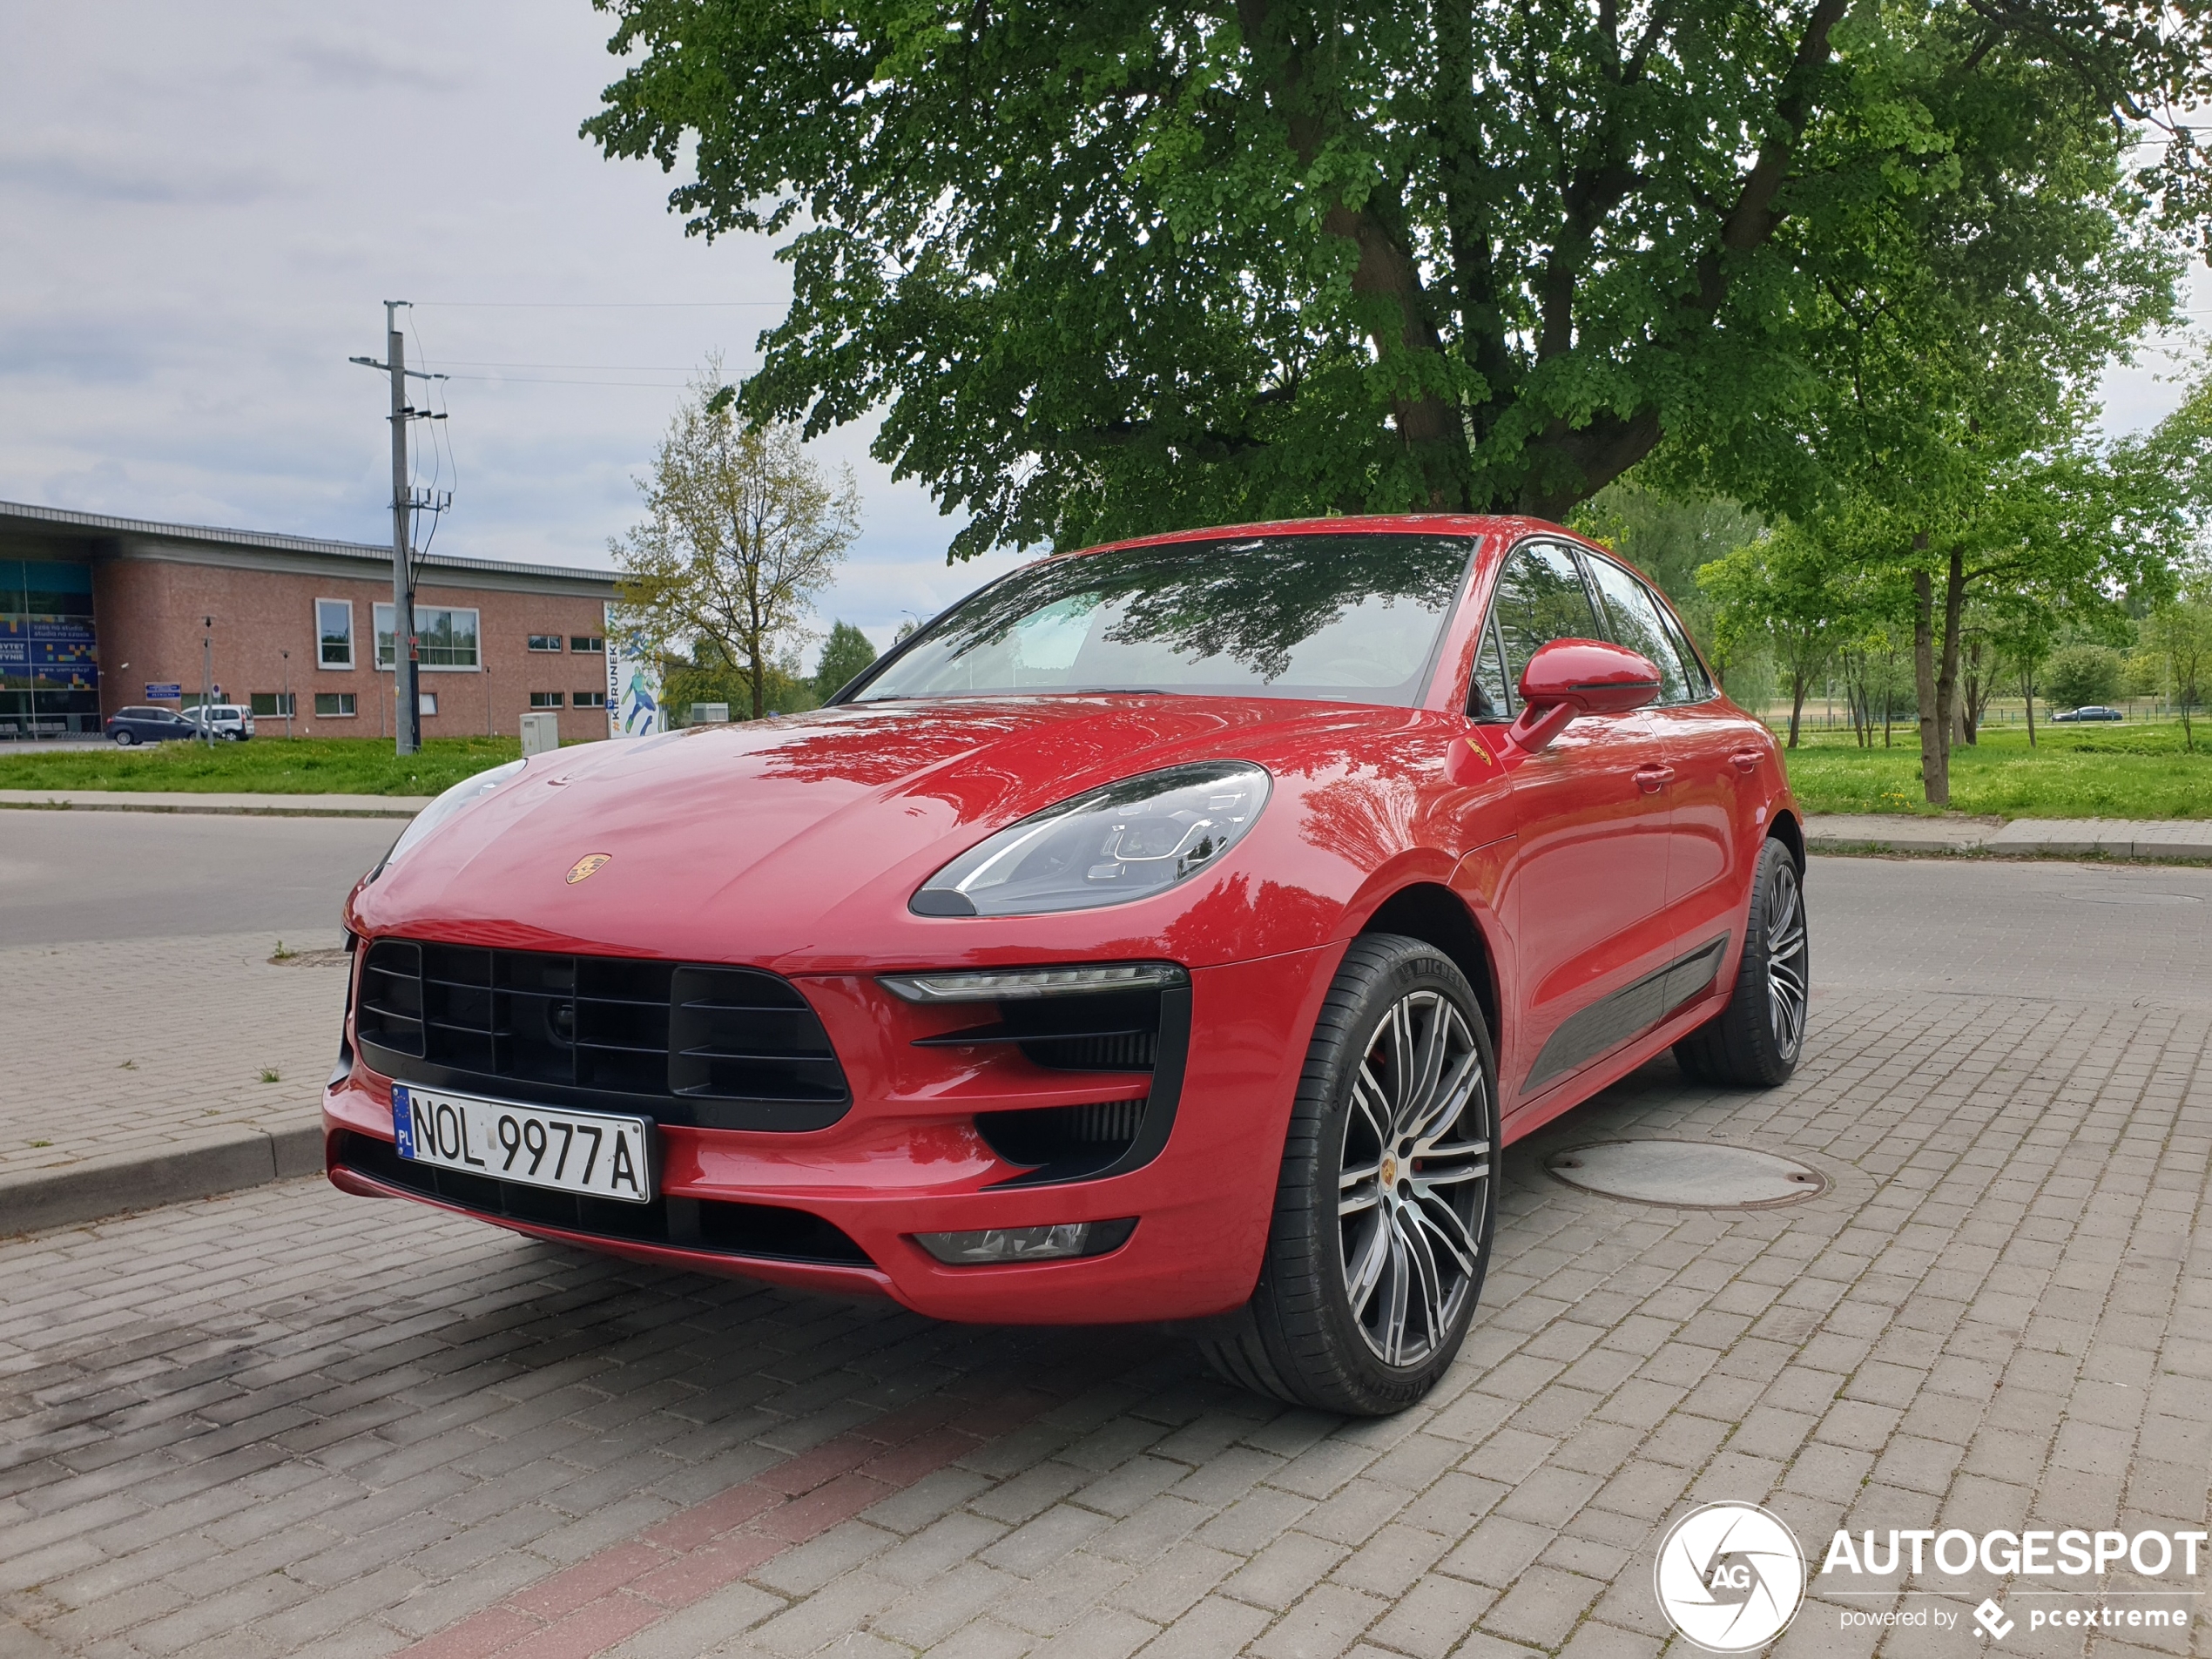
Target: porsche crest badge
<point>589,866</point>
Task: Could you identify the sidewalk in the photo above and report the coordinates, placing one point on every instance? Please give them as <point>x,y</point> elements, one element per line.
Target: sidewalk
<point>105,1113</point>
<point>2111,838</point>
<point>122,801</point>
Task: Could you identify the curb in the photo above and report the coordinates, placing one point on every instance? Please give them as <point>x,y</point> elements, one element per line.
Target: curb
<point>186,804</point>
<point>98,1187</point>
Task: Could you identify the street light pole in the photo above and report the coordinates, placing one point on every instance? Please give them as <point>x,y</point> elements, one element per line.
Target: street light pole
<point>288,691</point>
<point>208,680</point>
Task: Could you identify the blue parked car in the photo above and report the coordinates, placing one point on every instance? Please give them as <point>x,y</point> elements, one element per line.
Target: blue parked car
<point>2091,712</point>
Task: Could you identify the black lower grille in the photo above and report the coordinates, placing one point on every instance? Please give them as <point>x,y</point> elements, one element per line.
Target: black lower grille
<point>722,1048</point>
<point>1064,1143</point>
<point>768,1232</point>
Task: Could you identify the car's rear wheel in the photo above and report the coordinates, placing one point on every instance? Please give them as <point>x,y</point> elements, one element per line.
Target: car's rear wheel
<point>124,738</point>
<point>1755,1041</point>
<point>1384,1210</point>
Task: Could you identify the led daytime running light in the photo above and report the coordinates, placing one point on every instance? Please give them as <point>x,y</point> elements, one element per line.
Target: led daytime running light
<point>1027,984</point>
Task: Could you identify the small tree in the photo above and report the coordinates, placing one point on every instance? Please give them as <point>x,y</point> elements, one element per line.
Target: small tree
<point>2179,634</point>
<point>2082,674</point>
<point>846,653</point>
<point>1777,588</point>
<point>742,530</point>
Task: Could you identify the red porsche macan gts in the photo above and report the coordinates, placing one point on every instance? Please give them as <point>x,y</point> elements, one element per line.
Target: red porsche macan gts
<point>1170,931</point>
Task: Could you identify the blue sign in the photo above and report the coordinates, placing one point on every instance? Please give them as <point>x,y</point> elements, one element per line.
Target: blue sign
<point>164,693</point>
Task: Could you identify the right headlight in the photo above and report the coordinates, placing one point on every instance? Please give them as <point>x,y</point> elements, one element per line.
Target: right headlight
<point>1126,840</point>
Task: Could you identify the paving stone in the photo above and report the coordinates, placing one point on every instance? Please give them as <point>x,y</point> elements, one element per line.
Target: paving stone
<point>231,1422</point>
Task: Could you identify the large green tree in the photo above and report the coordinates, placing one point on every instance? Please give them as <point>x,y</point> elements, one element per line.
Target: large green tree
<point>1137,264</point>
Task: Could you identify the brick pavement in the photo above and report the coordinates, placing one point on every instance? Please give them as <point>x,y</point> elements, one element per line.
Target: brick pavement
<point>123,1046</point>
<point>289,1422</point>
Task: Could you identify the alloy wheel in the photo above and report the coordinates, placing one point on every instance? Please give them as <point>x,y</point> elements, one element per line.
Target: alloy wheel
<point>1786,954</point>
<point>1414,1178</point>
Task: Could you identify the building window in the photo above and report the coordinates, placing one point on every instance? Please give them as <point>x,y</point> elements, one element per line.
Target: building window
<point>545,642</point>
<point>586,643</point>
<point>333,705</point>
<point>588,699</point>
<point>445,638</point>
<point>545,699</point>
<point>278,706</point>
<point>334,632</point>
<point>428,702</point>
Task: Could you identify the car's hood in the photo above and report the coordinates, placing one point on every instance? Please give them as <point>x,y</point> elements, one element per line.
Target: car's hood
<point>797,841</point>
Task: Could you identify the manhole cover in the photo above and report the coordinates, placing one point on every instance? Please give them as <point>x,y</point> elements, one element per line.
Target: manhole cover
<point>1691,1174</point>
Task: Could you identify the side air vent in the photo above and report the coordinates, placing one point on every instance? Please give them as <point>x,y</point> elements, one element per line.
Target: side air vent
<point>724,1048</point>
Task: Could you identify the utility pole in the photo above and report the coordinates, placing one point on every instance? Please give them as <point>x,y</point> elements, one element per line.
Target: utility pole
<point>208,680</point>
<point>286,656</point>
<point>406,694</point>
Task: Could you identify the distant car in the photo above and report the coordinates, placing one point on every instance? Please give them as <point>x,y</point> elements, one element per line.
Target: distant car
<point>2093,712</point>
<point>234,721</point>
<point>128,727</point>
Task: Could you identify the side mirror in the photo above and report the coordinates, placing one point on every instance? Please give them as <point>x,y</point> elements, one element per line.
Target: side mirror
<point>1572,676</point>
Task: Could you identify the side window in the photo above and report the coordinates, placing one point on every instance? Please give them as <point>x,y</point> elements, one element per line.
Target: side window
<point>1490,698</point>
<point>1540,598</point>
<point>1700,686</point>
<point>1635,624</point>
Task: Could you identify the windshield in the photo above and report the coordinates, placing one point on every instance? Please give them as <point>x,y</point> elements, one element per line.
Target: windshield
<point>1339,617</point>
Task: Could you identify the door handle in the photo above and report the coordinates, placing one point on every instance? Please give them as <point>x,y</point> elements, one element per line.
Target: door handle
<point>1746,759</point>
<point>1652,779</point>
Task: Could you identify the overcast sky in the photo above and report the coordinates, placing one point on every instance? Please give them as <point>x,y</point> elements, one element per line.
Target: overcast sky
<point>206,204</point>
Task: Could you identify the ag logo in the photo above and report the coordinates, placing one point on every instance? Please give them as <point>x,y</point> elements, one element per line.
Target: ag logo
<point>1729,1577</point>
<point>589,866</point>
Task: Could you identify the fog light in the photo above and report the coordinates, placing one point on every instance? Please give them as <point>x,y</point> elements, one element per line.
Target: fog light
<point>1056,1241</point>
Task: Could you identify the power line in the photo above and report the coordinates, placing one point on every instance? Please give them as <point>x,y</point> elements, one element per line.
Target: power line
<point>612,368</point>
<point>598,304</point>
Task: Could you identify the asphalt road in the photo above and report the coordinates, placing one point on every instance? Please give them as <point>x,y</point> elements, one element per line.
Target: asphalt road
<point>72,878</point>
<point>2102,933</point>
<point>2135,935</point>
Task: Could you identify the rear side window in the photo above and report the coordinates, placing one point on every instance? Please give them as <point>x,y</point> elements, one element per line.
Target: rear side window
<point>1635,617</point>
<point>1540,598</point>
<point>1700,684</point>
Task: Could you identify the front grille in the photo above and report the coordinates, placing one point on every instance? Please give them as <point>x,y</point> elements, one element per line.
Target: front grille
<point>768,1232</point>
<point>722,1048</point>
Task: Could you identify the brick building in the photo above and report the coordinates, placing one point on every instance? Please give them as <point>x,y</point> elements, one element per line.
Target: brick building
<point>99,613</point>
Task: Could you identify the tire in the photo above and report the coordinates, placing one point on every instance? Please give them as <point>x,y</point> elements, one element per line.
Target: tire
<point>1399,1014</point>
<point>1755,1041</point>
<point>126,738</point>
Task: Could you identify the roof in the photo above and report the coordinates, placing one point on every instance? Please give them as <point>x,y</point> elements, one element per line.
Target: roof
<point>151,538</point>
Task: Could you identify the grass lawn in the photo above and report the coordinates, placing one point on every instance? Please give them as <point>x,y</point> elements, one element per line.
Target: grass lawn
<point>2134,770</point>
<point>262,766</point>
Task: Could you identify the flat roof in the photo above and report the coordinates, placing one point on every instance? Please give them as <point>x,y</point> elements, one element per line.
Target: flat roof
<point>149,538</point>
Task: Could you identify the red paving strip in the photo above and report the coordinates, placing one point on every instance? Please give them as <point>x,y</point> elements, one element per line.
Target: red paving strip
<point>607,1598</point>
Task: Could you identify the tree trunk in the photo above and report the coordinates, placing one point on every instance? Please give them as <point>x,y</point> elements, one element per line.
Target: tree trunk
<point>1935,777</point>
<point>1797,705</point>
<point>1954,605</point>
<point>2027,694</point>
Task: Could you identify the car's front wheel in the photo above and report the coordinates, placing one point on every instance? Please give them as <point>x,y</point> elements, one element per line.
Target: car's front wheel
<point>1384,1210</point>
<point>1754,1042</point>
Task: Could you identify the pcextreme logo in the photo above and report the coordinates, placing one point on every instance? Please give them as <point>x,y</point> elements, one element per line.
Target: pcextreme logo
<point>1729,1577</point>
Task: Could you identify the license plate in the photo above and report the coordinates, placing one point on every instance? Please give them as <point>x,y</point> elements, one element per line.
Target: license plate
<point>587,1153</point>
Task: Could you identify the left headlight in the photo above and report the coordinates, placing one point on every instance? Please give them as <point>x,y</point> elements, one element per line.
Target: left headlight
<point>1126,840</point>
<point>459,799</point>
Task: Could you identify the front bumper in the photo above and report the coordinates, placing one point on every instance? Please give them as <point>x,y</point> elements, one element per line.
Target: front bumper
<point>906,1158</point>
